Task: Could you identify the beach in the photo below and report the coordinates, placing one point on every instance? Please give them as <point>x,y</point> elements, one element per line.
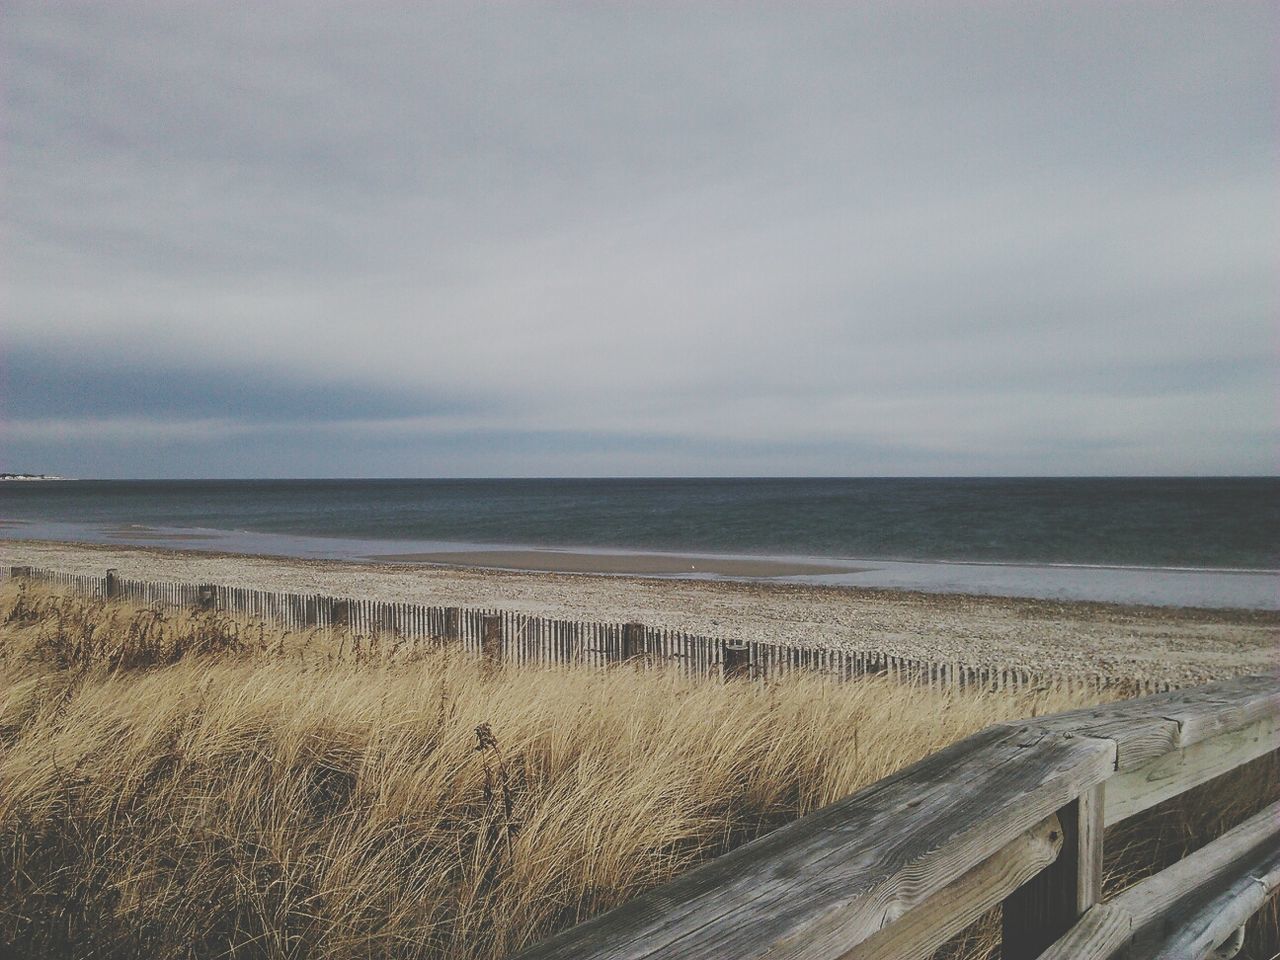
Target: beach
<point>1181,646</point>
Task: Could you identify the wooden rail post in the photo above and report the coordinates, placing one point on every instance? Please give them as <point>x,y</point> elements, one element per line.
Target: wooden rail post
<point>206,594</point>
<point>112,584</point>
<point>1046,907</point>
<point>632,641</point>
<point>385,622</point>
<point>737,661</point>
<point>295,609</point>
<point>491,638</point>
<point>452,618</point>
<point>312,608</point>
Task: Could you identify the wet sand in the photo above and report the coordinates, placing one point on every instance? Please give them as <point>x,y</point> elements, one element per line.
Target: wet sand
<point>159,536</point>
<point>647,564</point>
<point>1178,645</point>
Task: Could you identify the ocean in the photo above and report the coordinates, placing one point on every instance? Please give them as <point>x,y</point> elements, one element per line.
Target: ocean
<point>1217,538</point>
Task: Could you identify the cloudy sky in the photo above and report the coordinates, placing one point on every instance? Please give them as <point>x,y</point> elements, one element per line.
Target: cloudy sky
<point>399,239</point>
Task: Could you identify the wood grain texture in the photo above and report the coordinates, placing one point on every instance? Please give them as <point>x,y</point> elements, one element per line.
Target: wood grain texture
<point>1219,708</point>
<point>1150,727</point>
<point>822,885</point>
<point>919,932</point>
<point>1132,791</point>
<point>1101,932</point>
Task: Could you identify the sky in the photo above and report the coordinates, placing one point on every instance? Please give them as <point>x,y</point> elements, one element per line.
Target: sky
<point>648,239</point>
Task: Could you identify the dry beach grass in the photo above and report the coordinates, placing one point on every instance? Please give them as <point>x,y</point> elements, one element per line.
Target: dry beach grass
<point>179,785</point>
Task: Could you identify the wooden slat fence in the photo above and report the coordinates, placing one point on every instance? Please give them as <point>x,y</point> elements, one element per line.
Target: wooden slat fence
<point>522,638</point>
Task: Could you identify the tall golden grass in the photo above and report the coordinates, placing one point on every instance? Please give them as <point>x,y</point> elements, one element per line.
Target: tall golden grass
<point>177,785</point>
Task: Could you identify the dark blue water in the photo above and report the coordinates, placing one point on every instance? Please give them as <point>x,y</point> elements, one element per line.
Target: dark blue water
<point>1231,523</point>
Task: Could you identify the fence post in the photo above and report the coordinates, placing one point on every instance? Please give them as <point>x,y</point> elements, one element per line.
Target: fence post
<point>1049,904</point>
<point>632,641</point>
<point>112,584</point>
<point>452,618</point>
<point>386,619</point>
<point>206,593</point>
<point>491,638</point>
<point>340,613</point>
<point>737,661</point>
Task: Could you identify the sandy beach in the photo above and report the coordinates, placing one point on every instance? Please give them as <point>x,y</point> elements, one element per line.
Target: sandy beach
<point>1178,645</point>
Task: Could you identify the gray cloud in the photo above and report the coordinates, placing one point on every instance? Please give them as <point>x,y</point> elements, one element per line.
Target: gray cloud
<point>59,384</point>
<point>566,239</point>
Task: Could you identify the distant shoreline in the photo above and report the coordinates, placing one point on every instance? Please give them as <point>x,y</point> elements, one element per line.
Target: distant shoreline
<point>551,560</point>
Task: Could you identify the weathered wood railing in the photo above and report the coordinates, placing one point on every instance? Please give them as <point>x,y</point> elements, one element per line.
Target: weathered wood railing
<point>1013,815</point>
<point>522,638</point>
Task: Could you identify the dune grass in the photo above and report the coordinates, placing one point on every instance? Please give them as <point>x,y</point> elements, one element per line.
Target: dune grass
<point>177,785</point>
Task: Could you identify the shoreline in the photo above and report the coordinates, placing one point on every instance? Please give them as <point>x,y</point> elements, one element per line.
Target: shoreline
<point>1190,612</point>
<point>405,563</point>
<point>1132,585</point>
<point>552,560</point>
<point>1181,645</point>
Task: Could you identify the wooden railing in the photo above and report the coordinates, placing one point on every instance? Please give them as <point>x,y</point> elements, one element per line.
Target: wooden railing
<point>521,638</point>
<point>1013,815</point>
